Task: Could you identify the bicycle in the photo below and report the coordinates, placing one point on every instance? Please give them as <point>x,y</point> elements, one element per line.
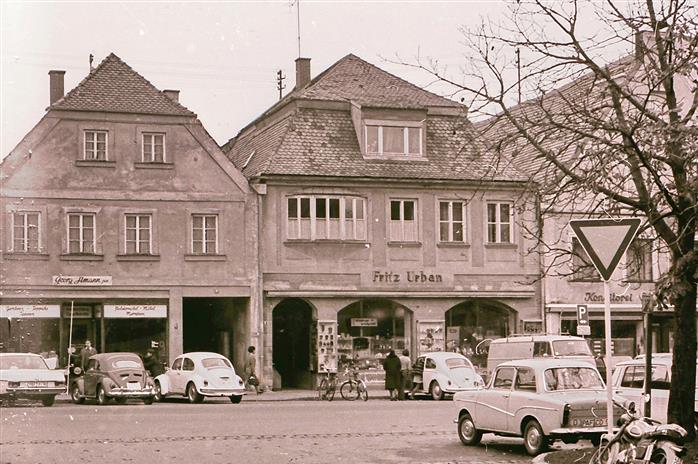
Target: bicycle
<point>328,386</point>
<point>354,387</point>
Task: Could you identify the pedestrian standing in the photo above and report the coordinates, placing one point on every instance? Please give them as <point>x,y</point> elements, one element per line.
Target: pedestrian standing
<point>405,379</point>
<point>417,371</point>
<point>250,370</point>
<point>391,365</point>
<point>85,354</point>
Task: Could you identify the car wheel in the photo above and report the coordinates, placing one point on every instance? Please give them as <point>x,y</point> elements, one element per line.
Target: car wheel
<point>193,395</point>
<point>535,441</point>
<point>75,394</point>
<point>148,400</point>
<point>120,400</point>
<point>158,392</point>
<point>48,400</point>
<point>101,396</point>
<point>235,399</point>
<point>467,432</point>
<point>436,392</point>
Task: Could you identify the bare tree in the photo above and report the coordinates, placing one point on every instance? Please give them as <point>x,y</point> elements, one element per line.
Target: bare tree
<point>599,136</point>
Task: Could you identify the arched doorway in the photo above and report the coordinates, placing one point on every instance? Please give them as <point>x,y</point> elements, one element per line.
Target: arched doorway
<point>369,329</point>
<point>473,321</point>
<point>292,320</point>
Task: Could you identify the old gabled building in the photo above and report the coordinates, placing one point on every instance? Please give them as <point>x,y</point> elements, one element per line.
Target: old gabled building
<point>384,224</point>
<point>124,223</point>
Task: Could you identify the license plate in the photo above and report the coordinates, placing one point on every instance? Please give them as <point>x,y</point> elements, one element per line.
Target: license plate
<point>133,386</point>
<point>589,422</point>
<point>37,384</point>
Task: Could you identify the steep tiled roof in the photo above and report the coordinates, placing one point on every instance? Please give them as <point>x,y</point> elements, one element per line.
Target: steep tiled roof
<point>555,120</point>
<point>320,142</point>
<point>114,87</point>
<point>353,79</point>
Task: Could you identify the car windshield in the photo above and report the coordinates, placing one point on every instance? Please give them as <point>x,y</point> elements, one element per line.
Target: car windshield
<point>22,362</point>
<point>572,378</point>
<point>125,362</point>
<point>213,363</point>
<point>571,348</point>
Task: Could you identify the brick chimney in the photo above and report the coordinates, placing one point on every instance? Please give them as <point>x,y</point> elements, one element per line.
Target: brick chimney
<point>172,95</point>
<point>56,85</point>
<point>302,72</point>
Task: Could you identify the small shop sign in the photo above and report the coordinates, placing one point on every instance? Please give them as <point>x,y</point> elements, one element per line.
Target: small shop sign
<point>364,322</point>
<point>81,281</point>
<point>127,311</point>
<point>79,312</point>
<point>30,311</point>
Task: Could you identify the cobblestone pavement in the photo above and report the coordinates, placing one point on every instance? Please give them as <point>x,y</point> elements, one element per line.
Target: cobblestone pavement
<point>257,432</point>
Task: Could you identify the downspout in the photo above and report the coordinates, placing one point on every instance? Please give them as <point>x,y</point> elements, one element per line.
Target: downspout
<point>541,264</point>
<point>257,322</point>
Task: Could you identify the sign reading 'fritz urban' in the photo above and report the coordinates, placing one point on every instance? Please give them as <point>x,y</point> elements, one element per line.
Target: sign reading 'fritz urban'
<point>81,281</point>
<point>406,276</point>
<point>135,311</point>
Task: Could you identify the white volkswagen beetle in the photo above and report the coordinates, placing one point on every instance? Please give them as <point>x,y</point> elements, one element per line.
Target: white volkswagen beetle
<point>198,375</point>
<point>446,373</point>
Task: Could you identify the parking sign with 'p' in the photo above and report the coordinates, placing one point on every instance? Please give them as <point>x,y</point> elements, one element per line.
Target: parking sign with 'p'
<point>583,320</point>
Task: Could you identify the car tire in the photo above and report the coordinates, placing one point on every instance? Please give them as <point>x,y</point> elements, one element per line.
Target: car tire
<point>48,400</point>
<point>192,395</point>
<point>120,400</point>
<point>535,441</point>
<point>158,392</point>
<point>75,394</point>
<point>148,400</point>
<point>436,392</point>
<point>101,396</point>
<point>467,432</point>
<point>235,399</point>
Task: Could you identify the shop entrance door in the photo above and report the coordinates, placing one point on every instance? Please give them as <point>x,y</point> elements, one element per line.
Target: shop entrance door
<point>292,321</point>
<point>85,327</point>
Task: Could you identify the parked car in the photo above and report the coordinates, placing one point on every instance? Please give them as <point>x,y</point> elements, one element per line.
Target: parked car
<point>198,375</point>
<point>26,376</point>
<point>447,373</point>
<point>120,376</point>
<point>629,381</point>
<point>540,399</point>
<point>538,346</point>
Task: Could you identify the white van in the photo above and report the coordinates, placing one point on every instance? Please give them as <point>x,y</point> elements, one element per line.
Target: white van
<point>537,346</point>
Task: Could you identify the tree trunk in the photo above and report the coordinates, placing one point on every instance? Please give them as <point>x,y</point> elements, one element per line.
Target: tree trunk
<point>683,371</point>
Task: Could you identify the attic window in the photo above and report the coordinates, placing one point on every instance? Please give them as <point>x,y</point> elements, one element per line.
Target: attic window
<point>249,158</point>
<point>393,138</point>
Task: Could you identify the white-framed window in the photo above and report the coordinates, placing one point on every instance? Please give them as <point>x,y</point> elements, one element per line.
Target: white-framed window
<point>499,222</point>
<point>81,233</point>
<point>393,138</point>
<point>582,268</point>
<point>153,148</point>
<point>204,236</point>
<point>639,261</point>
<point>95,148</point>
<point>26,231</point>
<point>452,221</point>
<point>319,217</point>
<point>403,220</point>
<point>138,234</point>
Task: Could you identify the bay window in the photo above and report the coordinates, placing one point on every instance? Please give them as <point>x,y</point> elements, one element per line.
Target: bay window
<point>321,217</point>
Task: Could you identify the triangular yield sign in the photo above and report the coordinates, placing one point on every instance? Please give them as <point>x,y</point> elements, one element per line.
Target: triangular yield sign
<point>605,240</point>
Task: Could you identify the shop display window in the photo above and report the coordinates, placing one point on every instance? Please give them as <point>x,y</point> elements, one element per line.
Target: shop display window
<point>136,335</point>
<point>30,335</point>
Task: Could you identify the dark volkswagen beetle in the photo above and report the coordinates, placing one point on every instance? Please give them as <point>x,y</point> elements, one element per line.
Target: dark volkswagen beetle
<point>113,375</point>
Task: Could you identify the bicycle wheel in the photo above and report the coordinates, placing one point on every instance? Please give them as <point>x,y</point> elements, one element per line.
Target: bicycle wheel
<point>331,388</point>
<point>322,389</point>
<point>350,390</point>
<point>363,391</point>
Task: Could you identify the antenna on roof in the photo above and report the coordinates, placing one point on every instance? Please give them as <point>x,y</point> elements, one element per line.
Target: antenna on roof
<point>518,70</point>
<point>280,82</point>
<point>297,3</point>
<point>92,58</point>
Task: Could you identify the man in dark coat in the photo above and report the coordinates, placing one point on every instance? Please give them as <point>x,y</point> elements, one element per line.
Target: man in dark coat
<point>392,367</point>
<point>152,363</point>
<point>85,354</point>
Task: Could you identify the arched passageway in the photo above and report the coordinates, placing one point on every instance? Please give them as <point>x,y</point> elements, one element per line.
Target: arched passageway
<point>292,321</point>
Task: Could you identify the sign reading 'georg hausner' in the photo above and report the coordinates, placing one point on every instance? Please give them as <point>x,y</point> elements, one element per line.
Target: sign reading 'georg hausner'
<point>417,277</point>
<point>81,281</point>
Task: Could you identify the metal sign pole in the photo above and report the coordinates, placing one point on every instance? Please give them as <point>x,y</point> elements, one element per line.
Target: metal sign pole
<point>609,367</point>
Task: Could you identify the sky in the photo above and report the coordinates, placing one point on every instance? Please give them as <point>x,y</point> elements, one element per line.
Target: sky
<point>223,56</point>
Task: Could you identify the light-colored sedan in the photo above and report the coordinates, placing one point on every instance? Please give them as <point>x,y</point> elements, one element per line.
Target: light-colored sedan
<point>447,373</point>
<point>197,375</point>
<point>26,376</point>
<point>540,399</point>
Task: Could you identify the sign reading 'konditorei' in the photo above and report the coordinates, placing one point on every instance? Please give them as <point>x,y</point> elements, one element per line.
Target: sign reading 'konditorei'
<point>81,281</point>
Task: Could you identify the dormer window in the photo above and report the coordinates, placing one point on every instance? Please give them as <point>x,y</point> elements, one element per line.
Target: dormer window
<point>393,138</point>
